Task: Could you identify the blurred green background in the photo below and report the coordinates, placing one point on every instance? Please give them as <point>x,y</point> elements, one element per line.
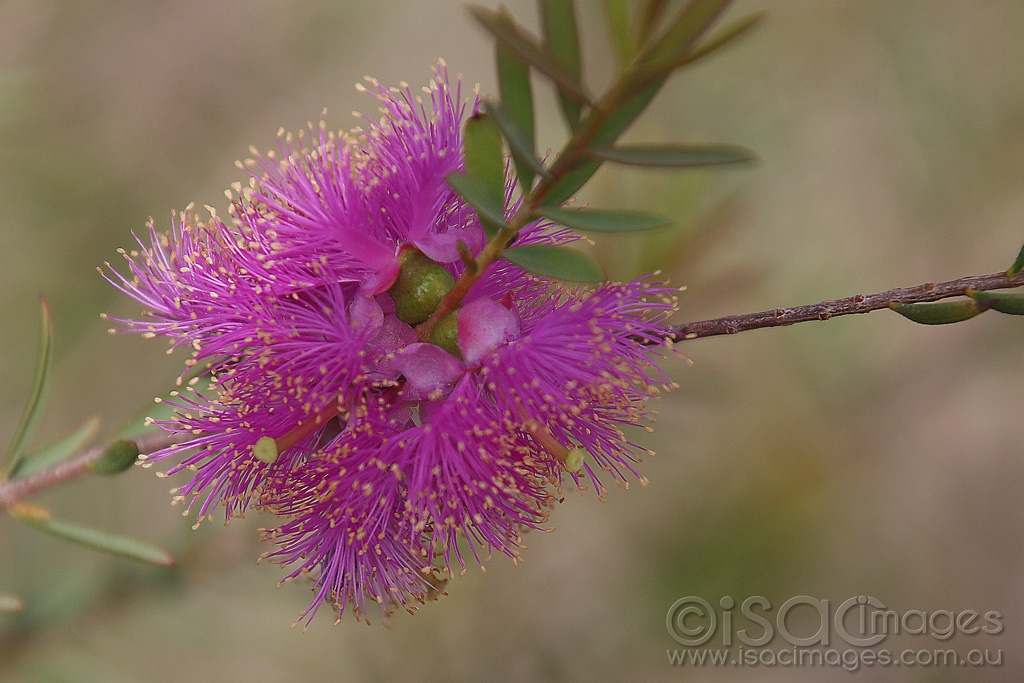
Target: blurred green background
<point>864,456</point>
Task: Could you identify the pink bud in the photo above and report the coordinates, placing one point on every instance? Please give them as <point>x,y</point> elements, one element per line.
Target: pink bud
<point>484,325</point>
<point>427,369</point>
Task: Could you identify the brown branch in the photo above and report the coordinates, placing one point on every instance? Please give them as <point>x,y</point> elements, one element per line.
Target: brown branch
<point>16,490</point>
<point>860,303</point>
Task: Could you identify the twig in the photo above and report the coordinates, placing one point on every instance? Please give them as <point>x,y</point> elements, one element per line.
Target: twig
<point>860,303</point>
<point>16,490</point>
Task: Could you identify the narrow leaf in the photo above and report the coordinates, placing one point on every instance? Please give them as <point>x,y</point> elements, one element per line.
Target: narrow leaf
<point>484,179</point>
<point>519,143</point>
<point>515,115</point>
<point>607,132</point>
<point>484,158</point>
<point>693,21</point>
<point>654,10</point>
<point>675,155</point>
<point>501,26</point>
<point>721,38</point>
<point>104,541</point>
<point>570,182</point>
<point>940,312</point>
<point>558,262</point>
<point>28,417</point>
<point>58,450</point>
<point>1017,266</point>
<point>479,196</point>
<point>561,38</point>
<point>602,220</point>
<point>617,12</point>
<point>1011,304</point>
<point>9,603</point>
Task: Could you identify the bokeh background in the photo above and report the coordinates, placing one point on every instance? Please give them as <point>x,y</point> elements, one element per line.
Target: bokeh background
<point>863,456</point>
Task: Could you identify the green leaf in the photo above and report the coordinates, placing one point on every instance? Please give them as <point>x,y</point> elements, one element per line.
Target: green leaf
<point>654,10</point>
<point>1011,304</point>
<point>940,312</point>
<point>104,541</point>
<point>558,262</point>
<point>28,417</point>
<point>484,158</point>
<point>570,182</point>
<point>527,163</point>
<point>502,27</point>
<point>58,450</point>
<point>483,183</point>
<point>721,38</point>
<point>602,220</point>
<point>515,115</point>
<point>691,23</point>
<point>561,38</point>
<point>617,12</point>
<point>675,155</point>
<point>9,603</point>
<point>1017,266</point>
<point>479,196</point>
<point>605,134</point>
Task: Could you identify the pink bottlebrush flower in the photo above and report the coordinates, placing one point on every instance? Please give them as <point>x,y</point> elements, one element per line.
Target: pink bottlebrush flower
<point>392,462</point>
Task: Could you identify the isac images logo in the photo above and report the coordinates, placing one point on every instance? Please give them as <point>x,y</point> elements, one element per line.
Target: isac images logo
<point>808,631</point>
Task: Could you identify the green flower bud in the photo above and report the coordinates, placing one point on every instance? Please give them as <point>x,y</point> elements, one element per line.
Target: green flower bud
<point>419,287</point>
<point>446,334</point>
<point>120,456</point>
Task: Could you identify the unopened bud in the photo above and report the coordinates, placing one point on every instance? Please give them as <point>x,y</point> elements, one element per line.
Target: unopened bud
<point>446,334</point>
<point>419,287</point>
<point>120,456</point>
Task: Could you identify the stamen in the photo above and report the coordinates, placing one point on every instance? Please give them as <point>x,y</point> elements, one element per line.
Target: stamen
<point>571,458</point>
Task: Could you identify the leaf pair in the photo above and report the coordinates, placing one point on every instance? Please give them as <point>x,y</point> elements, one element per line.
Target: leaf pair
<point>947,312</point>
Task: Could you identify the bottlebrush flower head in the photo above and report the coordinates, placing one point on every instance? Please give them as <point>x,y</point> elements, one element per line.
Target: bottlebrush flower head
<point>391,463</point>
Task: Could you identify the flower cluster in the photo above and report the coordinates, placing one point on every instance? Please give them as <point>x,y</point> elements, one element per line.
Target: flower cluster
<point>390,460</point>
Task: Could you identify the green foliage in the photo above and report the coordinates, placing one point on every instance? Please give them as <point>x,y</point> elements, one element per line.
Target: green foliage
<point>501,26</point>
<point>691,23</point>
<point>558,262</point>
<point>1018,265</point>
<point>940,312</point>
<point>484,160</point>
<point>114,544</point>
<point>648,55</point>
<point>57,451</point>
<point>478,195</point>
<point>1011,304</point>
<point>603,220</point>
<point>561,39</point>
<point>28,417</point>
<point>483,183</point>
<point>617,12</point>
<point>515,116</point>
<point>675,155</point>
